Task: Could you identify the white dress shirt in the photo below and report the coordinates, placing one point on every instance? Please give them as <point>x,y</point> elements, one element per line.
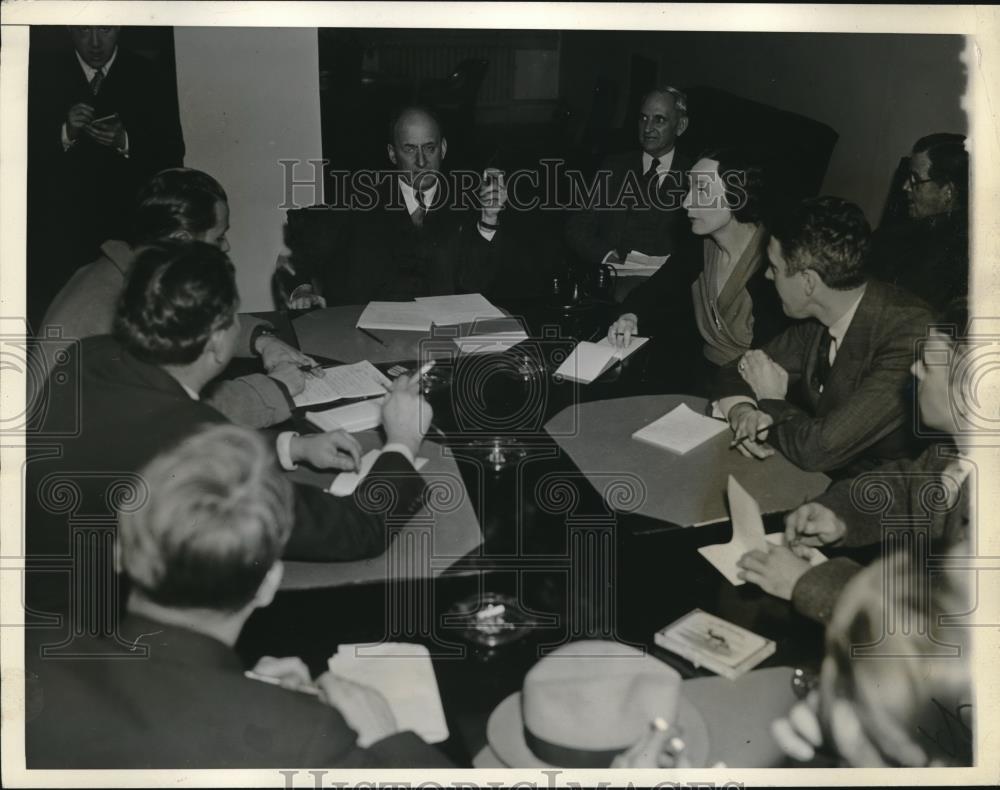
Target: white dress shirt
<point>410,198</point>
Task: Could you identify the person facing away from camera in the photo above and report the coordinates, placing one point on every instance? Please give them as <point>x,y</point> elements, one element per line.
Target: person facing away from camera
<point>201,554</point>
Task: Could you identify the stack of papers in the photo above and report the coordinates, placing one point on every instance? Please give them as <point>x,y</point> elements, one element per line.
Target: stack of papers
<point>402,672</point>
<point>589,360</point>
<point>351,418</point>
<point>680,430</point>
<point>636,264</point>
<point>748,535</point>
<point>421,314</point>
<point>360,380</point>
<point>345,483</point>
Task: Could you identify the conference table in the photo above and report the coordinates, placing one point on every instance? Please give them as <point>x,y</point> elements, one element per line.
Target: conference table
<point>583,531</point>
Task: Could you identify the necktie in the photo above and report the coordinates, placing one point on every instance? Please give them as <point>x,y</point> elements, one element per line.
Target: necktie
<point>96,81</point>
<point>420,211</point>
<point>650,174</point>
<point>822,368</point>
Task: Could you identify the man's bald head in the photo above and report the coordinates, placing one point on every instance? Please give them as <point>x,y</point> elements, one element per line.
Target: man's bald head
<point>416,146</point>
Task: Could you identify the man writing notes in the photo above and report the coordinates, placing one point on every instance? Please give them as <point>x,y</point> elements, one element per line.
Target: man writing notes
<point>645,191</point>
<point>417,238</point>
<point>175,331</point>
<point>201,555</point>
<point>833,385</point>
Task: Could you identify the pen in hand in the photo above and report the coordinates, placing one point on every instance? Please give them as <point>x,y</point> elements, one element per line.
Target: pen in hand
<point>737,442</point>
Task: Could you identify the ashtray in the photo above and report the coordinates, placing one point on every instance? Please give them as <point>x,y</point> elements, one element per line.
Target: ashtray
<point>489,619</point>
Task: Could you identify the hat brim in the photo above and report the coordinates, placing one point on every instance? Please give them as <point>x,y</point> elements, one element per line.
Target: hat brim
<point>505,735</point>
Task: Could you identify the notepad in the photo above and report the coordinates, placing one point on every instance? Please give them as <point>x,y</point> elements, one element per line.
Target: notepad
<point>589,360</point>
<point>401,316</point>
<point>639,264</point>
<point>680,430</point>
<point>352,418</point>
<point>458,308</point>
<point>716,644</point>
<point>345,483</point>
<point>748,535</point>
<point>402,672</point>
<point>360,380</point>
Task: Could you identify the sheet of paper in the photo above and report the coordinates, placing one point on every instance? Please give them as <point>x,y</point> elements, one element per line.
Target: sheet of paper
<point>589,360</point>
<point>360,380</point>
<point>345,483</point>
<point>403,673</point>
<point>490,344</point>
<point>639,264</point>
<point>352,418</point>
<point>402,316</point>
<point>748,535</point>
<point>459,308</point>
<point>680,430</point>
<point>635,343</point>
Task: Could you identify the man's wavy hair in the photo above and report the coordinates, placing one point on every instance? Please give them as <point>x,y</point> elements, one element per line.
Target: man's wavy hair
<point>178,199</point>
<point>828,235</point>
<point>218,517</point>
<point>746,178</point>
<point>177,295</point>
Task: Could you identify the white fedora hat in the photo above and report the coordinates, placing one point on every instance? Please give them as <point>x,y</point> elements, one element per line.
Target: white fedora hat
<point>587,702</point>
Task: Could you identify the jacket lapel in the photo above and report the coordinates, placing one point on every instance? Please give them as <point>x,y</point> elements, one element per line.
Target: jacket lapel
<point>853,351</point>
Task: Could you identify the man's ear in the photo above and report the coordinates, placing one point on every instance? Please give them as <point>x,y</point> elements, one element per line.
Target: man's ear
<point>391,150</point>
<point>812,281</point>
<point>269,587</point>
<point>444,147</point>
<point>215,346</point>
<point>682,124</point>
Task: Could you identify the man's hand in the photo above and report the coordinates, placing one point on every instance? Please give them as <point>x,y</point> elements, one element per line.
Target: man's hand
<point>330,450</point>
<point>290,670</point>
<point>365,709</point>
<point>813,524</point>
<point>775,571</point>
<point>799,734</point>
<point>110,133</point>
<point>621,331</point>
<point>767,378</point>
<point>748,424</point>
<point>77,119</point>
<point>660,747</point>
<point>492,195</point>
<point>289,375</point>
<point>274,352</point>
<point>406,415</point>
<point>305,298</point>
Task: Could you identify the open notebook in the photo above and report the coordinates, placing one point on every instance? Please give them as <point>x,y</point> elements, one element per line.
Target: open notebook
<point>589,360</point>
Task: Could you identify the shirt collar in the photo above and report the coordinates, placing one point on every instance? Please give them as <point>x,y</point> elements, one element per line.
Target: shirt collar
<point>839,327</point>
<point>90,71</point>
<point>409,196</point>
<point>665,161</point>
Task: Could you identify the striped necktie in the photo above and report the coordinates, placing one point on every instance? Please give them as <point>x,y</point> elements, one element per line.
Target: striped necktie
<point>96,81</point>
<point>420,211</point>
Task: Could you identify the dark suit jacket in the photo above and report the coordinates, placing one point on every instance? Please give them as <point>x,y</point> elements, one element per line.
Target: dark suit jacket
<point>130,411</point>
<point>187,704</point>
<point>907,490</point>
<point>388,258</point>
<point>592,232</point>
<point>82,196</point>
<point>860,419</point>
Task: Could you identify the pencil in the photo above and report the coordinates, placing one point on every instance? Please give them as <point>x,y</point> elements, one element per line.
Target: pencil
<point>373,337</point>
<point>305,689</point>
<point>766,428</point>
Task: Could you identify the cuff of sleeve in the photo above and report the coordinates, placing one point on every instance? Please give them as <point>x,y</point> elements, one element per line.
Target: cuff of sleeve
<point>722,407</point>
<point>816,592</point>
<point>608,255</point>
<point>283,447</point>
<point>402,449</point>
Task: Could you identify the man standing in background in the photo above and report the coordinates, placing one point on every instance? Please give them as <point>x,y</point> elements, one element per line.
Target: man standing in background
<point>101,121</point>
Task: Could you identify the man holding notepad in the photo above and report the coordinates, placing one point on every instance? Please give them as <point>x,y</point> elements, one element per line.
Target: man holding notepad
<point>830,391</point>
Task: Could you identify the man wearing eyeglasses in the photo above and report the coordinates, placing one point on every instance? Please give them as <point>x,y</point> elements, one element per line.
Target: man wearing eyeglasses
<point>101,121</point>
<point>927,253</point>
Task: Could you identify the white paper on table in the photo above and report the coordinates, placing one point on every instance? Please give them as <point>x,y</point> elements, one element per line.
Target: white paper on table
<point>345,483</point>
<point>680,430</point>
<point>640,264</point>
<point>459,308</point>
<point>589,360</point>
<point>352,418</point>
<point>404,675</point>
<point>402,316</point>
<point>748,535</point>
<point>360,380</point>
<point>490,344</point>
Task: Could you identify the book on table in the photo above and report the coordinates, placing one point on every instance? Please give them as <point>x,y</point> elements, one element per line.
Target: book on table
<point>715,644</point>
<point>680,430</point>
<point>588,361</point>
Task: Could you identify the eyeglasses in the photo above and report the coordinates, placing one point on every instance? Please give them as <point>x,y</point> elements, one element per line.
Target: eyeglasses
<point>913,180</point>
